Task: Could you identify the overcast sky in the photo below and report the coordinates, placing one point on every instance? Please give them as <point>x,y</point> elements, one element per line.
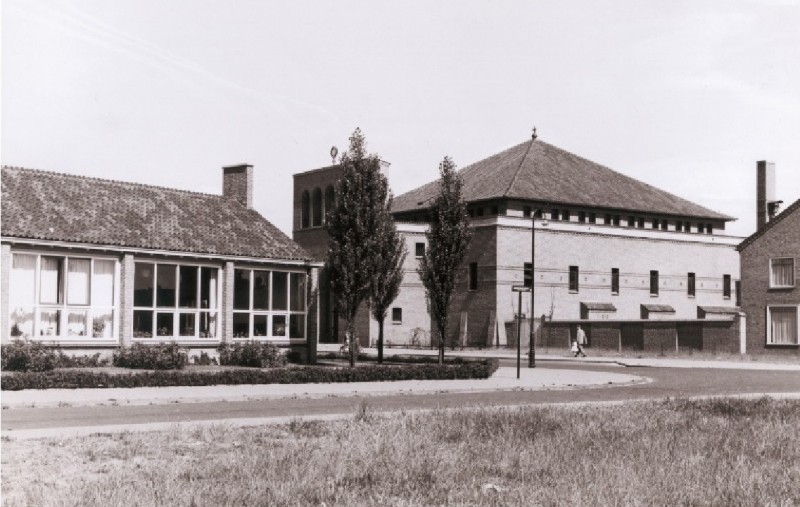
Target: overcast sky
<point>684,95</point>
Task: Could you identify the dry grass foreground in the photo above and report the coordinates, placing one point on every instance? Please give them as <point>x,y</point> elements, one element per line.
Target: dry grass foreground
<point>672,453</point>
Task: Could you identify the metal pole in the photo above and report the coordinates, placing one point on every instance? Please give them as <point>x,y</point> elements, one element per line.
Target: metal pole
<point>519,330</point>
<point>531,346</point>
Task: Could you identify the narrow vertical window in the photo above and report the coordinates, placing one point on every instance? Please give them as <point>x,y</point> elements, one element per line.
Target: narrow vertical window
<point>305,210</point>
<point>527,276</point>
<point>582,217</point>
<point>573,279</point>
<point>654,283</point>
<point>473,276</point>
<point>419,250</point>
<point>726,286</point>
<point>565,215</point>
<point>690,283</point>
<point>592,218</point>
<point>316,208</point>
<point>615,280</point>
<point>554,214</point>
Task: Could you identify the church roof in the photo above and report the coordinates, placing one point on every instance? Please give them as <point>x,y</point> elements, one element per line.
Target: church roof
<point>540,172</point>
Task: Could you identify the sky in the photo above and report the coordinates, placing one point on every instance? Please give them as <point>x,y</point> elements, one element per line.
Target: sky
<point>683,95</point>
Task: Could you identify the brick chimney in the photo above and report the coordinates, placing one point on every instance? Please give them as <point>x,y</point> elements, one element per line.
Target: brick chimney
<point>766,205</point>
<point>237,183</point>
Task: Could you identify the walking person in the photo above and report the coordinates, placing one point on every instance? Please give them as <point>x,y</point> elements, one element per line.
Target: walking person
<point>580,340</point>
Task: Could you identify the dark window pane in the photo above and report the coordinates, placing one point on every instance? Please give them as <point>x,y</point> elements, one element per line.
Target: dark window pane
<point>654,282</point>
<point>726,286</point>
<point>526,211</point>
<point>208,324</point>
<point>397,315</point>
<point>280,286</point>
<point>187,324</point>
<point>142,324</point>
<point>527,274</point>
<point>305,210</point>
<point>51,280</point>
<point>297,326</point>
<point>259,325</point>
<point>241,289</point>
<point>297,296</point>
<point>164,324</point>
<point>165,286</point>
<point>260,290</point>
<point>241,325</point>
<point>279,325</point>
<point>316,207</point>
<point>419,249</point>
<point>208,288</point>
<point>690,284</point>
<point>143,284</point>
<point>188,287</point>
<point>615,280</point>
<point>573,278</point>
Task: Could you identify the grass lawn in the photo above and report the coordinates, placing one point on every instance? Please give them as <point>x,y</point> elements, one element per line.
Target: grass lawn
<point>670,453</point>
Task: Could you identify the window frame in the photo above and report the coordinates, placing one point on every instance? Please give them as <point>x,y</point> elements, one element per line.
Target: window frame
<point>271,313</point>
<point>397,311</point>
<point>726,286</point>
<point>176,310</point>
<point>691,284</point>
<point>768,323</point>
<point>772,284</point>
<point>574,284</point>
<point>62,306</point>
<point>654,283</point>
<point>417,246</point>
<point>615,281</point>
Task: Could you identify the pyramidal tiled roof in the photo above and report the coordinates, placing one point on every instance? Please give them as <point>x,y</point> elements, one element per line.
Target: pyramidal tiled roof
<point>538,171</point>
<point>769,225</point>
<point>60,207</point>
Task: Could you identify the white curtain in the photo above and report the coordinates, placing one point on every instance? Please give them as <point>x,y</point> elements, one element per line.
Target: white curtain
<point>49,280</point>
<point>22,294</point>
<point>783,272</point>
<point>102,284</point>
<point>784,326</point>
<point>78,271</point>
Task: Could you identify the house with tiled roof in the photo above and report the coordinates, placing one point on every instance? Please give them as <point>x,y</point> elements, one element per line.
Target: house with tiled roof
<point>769,259</point>
<point>601,248</point>
<point>90,262</point>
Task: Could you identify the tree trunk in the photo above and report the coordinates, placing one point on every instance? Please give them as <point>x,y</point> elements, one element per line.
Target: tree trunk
<point>351,333</point>
<point>380,341</point>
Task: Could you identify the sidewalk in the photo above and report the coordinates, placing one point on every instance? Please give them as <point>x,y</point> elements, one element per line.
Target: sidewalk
<point>504,353</point>
<point>504,379</point>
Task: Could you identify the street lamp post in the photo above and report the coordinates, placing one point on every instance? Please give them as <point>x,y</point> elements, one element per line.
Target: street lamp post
<point>531,346</point>
<point>519,289</point>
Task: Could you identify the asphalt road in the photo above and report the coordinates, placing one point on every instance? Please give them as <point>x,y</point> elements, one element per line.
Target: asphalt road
<point>666,382</point>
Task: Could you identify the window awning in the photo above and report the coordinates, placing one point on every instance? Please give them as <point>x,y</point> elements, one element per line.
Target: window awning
<point>598,307</point>
<point>659,308</point>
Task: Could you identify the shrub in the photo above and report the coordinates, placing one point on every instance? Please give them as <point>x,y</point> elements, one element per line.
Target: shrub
<point>77,379</point>
<point>252,354</point>
<point>26,355</point>
<point>93,361</point>
<point>204,359</point>
<point>160,356</point>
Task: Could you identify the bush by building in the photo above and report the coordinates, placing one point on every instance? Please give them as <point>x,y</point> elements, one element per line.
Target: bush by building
<point>251,354</point>
<point>161,356</point>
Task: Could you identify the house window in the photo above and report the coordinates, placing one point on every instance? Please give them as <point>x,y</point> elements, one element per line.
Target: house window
<point>473,276</point>
<point>582,217</point>
<point>615,280</point>
<point>397,315</point>
<point>419,250</point>
<point>781,273</point>
<point>526,211</point>
<point>573,279</point>
<point>479,212</point>
<point>654,283</point>
<point>64,297</point>
<point>592,218</point>
<point>782,325</point>
<point>269,304</point>
<point>631,222</point>
<point>641,223</point>
<point>538,213</point>
<point>664,225</point>
<point>527,274</point>
<point>176,301</point>
<point>655,223</point>
<point>690,283</point>
<point>471,213</point>
<point>565,215</point>
<point>493,210</point>
<point>607,219</point>
<point>709,228</point>
<point>316,208</point>
<point>726,286</point>
<point>700,228</point>
<point>305,210</point>
<point>616,220</point>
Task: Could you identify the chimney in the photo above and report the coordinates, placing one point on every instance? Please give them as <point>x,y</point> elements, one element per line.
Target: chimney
<point>766,205</point>
<point>237,183</point>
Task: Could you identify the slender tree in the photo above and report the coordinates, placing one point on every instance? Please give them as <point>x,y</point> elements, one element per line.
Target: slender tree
<point>352,245</point>
<point>448,237</point>
<point>390,253</point>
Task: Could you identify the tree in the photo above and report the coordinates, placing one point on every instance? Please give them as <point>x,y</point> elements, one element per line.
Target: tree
<point>353,246</point>
<point>390,253</point>
<point>448,237</point>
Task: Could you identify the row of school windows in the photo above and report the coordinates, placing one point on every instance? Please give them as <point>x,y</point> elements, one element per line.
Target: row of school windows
<point>591,217</point>
<point>69,296</point>
<point>314,207</point>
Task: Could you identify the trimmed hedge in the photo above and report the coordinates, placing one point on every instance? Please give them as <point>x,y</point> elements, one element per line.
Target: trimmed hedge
<point>79,379</point>
<point>252,354</point>
<point>158,356</point>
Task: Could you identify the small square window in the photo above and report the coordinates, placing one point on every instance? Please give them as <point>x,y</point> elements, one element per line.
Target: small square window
<point>397,315</point>
<point>781,273</point>
<point>419,250</point>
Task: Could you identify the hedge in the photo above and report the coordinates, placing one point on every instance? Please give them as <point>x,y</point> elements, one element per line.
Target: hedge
<point>79,379</point>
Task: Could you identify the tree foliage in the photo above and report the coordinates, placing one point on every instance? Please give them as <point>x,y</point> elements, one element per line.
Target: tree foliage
<point>448,238</point>
<point>389,255</point>
<point>354,224</point>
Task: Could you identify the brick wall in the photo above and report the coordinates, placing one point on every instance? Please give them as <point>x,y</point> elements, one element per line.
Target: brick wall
<point>781,240</point>
<point>660,337</point>
<point>127,270</point>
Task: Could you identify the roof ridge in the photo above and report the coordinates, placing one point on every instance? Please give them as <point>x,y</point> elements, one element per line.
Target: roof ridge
<point>519,167</point>
<point>777,218</point>
<point>108,180</point>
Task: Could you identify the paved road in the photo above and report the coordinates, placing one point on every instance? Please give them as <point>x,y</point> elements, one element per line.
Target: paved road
<point>666,382</point>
